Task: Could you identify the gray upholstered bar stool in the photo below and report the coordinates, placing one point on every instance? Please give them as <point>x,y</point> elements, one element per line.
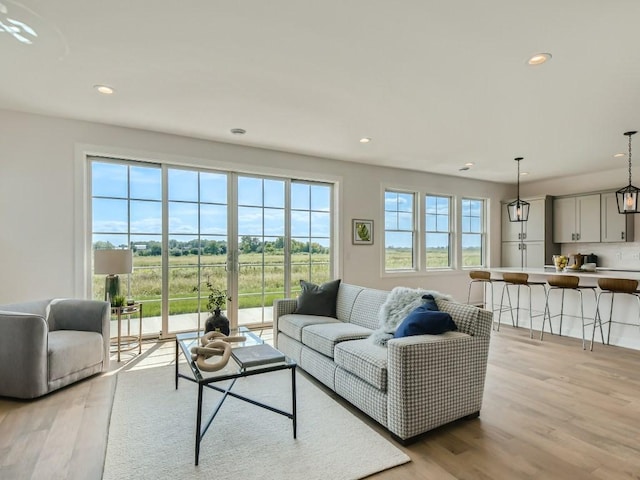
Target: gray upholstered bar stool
<point>613,286</point>
<point>484,278</point>
<point>518,280</point>
<point>564,283</point>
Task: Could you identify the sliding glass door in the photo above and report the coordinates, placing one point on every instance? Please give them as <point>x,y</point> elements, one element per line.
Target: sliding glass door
<point>197,237</point>
<point>253,237</point>
<point>260,247</point>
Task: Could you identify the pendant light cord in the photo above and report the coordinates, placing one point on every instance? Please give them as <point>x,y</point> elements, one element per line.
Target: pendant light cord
<point>518,179</point>
<point>630,134</point>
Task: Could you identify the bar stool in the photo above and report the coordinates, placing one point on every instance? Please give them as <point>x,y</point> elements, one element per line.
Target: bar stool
<point>564,283</point>
<point>483,277</point>
<point>613,286</point>
<point>518,280</point>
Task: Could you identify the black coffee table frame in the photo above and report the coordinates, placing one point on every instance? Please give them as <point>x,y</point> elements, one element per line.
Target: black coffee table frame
<point>183,341</point>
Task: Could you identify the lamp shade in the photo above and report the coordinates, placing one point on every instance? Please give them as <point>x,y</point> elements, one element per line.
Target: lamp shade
<point>112,262</point>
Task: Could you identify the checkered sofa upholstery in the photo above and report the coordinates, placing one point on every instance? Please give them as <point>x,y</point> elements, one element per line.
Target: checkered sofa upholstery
<point>413,385</point>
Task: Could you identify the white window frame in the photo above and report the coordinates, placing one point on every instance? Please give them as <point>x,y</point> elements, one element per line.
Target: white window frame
<point>449,231</point>
<point>482,233</point>
<point>415,231</point>
<point>419,244</point>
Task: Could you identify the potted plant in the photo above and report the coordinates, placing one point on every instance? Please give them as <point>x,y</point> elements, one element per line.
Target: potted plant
<point>118,301</point>
<point>217,301</point>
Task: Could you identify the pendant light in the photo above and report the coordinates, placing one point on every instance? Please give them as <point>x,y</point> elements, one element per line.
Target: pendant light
<point>518,209</point>
<point>627,197</point>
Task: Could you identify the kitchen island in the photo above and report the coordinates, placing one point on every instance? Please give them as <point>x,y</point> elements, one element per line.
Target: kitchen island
<point>625,310</point>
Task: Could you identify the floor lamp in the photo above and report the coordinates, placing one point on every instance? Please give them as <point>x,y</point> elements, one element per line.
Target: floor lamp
<point>112,263</point>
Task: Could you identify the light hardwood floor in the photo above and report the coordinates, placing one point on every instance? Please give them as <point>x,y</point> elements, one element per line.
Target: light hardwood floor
<point>550,411</point>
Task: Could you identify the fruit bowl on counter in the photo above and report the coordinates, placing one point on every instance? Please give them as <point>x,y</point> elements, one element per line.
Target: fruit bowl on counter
<point>560,262</point>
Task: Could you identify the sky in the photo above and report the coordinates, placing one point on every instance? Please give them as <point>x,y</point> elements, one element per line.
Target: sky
<point>261,204</point>
<point>261,208</point>
<point>399,215</point>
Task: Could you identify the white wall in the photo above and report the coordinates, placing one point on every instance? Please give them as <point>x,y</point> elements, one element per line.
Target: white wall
<point>41,212</point>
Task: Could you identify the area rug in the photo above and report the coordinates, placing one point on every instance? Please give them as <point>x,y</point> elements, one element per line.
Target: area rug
<point>152,433</point>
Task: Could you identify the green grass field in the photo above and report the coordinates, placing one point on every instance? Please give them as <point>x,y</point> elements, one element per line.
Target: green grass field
<point>400,258</point>
<point>146,280</point>
<point>184,275</point>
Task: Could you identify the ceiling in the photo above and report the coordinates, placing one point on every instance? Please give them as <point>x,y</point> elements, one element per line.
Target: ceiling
<point>433,84</point>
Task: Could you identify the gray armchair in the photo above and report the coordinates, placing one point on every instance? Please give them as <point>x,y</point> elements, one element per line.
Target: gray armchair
<point>48,344</point>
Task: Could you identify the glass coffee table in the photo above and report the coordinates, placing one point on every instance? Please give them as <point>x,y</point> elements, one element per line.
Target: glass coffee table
<point>251,357</point>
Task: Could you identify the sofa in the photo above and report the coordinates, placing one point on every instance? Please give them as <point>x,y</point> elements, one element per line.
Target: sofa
<point>410,386</point>
<point>48,344</point>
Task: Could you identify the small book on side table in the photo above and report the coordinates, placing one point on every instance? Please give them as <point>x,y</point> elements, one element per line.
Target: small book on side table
<point>256,355</point>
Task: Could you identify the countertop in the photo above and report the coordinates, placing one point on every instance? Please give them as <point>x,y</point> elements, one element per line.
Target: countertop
<point>546,271</point>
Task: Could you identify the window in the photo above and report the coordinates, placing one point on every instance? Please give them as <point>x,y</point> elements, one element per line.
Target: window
<point>437,231</point>
<point>127,213</point>
<point>473,233</point>
<point>399,230</point>
<point>310,233</point>
<point>253,236</point>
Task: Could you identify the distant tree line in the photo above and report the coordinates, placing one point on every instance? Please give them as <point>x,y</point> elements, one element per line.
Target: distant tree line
<point>248,244</point>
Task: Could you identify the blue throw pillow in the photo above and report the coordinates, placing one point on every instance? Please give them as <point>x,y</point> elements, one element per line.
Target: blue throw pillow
<point>423,321</point>
<point>430,302</point>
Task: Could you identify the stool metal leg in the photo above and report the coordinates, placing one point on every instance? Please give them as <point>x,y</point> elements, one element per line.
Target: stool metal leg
<point>613,295</point>
<point>530,314</point>
<point>547,311</point>
<point>505,288</point>
<point>582,316</point>
<point>598,319</point>
<point>517,307</point>
<point>596,299</point>
<point>469,292</point>
<point>561,311</point>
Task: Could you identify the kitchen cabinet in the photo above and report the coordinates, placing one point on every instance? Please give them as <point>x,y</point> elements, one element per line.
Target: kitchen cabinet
<point>532,230</point>
<point>523,254</point>
<point>529,244</point>
<point>615,227</point>
<point>576,219</point>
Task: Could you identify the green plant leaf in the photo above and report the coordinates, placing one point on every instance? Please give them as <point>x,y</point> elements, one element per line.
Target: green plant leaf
<point>363,232</point>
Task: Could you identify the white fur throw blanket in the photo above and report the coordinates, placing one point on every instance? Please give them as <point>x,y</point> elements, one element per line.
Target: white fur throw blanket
<point>400,303</point>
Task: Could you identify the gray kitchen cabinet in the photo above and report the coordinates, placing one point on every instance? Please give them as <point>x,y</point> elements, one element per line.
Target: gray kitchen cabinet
<point>529,244</point>
<point>615,227</point>
<point>523,254</point>
<point>532,230</point>
<point>576,219</point>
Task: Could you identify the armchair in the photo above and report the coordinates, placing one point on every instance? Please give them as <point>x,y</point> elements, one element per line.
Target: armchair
<point>48,344</point>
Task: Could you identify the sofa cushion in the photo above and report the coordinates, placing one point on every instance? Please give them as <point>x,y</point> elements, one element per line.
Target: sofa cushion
<point>318,299</point>
<point>293,324</point>
<point>324,337</point>
<point>365,360</point>
<point>366,308</point>
<point>347,295</point>
<point>423,321</point>
<point>71,351</point>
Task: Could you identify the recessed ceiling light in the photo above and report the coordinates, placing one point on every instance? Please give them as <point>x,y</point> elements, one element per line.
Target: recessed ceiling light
<point>618,155</point>
<point>522,174</point>
<point>238,131</point>
<point>469,164</point>
<point>539,58</point>
<point>104,89</point>
<point>365,140</point>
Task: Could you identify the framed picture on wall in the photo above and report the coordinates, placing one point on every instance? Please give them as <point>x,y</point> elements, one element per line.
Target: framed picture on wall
<point>362,232</point>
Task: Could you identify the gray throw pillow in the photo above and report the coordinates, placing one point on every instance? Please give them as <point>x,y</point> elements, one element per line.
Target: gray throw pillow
<point>318,299</point>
